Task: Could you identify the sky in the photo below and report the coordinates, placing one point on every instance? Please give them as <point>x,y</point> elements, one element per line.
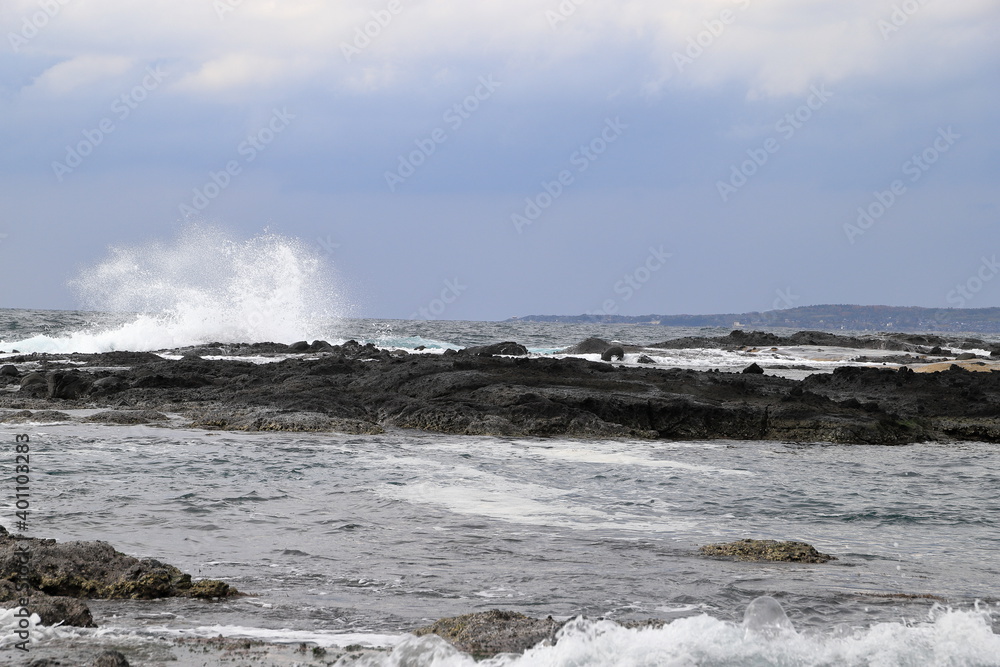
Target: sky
<point>451,159</point>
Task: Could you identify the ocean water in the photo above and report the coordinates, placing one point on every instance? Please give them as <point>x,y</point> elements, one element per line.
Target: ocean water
<point>343,540</point>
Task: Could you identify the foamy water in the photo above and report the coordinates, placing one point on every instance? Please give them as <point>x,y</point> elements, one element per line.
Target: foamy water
<point>203,286</point>
<point>354,540</point>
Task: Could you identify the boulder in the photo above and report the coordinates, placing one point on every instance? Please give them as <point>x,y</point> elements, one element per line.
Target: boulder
<point>767,550</point>
<point>644,359</point>
<point>68,385</point>
<point>52,609</point>
<point>753,369</point>
<point>299,346</point>
<point>485,634</point>
<point>109,659</point>
<point>34,384</point>
<point>612,353</point>
<point>108,385</point>
<point>508,348</point>
<point>97,570</point>
<point>588,346</point>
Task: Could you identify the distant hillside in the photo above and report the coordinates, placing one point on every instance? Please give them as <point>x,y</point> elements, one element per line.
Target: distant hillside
<point>853,318</point>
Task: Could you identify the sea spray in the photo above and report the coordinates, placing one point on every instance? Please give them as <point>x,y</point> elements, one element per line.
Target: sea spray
<point>203,286</point>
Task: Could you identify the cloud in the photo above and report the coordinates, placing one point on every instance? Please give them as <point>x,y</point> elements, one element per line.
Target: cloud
<point>771,47</point>
<point>80,73</point>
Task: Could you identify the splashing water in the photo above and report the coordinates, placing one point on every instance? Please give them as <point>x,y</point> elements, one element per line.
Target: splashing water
<point>204,286</point>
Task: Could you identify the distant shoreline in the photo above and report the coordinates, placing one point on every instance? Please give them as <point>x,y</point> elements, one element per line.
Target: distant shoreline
<point>825,317</point>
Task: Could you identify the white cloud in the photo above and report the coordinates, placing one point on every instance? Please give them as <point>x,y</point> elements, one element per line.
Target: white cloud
<point>79,73</point>
<point>772,47</point>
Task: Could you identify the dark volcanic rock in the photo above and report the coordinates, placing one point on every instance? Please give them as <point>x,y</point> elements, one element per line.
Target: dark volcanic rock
<point>485,634</point>
<point>127,417</point>
<point>644,359</point>
<point>612,353</point>
<point>34,384</point>
<point>508,348</point>
<point>96,570</point>
<point>109,659</point>
<point>740,338</point>
<point>767,550</point>
<point>69,385</point>
<point>273,420</point>
<point>753,369</point>
<point>299,346</point>
<point>117,358</point>
<point>588,346</point>
<point>361,389</point>
<point>52,609</point>
<point>107,385</point>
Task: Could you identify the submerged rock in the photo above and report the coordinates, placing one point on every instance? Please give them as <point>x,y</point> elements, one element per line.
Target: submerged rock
<point>485,634</point>
<point>767,550</point>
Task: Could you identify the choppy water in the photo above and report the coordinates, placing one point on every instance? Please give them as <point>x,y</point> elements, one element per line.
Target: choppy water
<point>346,539</point>
<point>338,536</point>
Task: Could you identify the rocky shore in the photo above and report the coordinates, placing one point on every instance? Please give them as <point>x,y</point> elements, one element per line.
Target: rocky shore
<point>500,390</point>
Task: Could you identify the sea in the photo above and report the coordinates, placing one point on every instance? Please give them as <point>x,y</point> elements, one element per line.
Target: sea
<point>347,541</point>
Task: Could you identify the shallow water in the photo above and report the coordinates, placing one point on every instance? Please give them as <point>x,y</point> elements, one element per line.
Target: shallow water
<point>345,539</point>
<point>341,534</point>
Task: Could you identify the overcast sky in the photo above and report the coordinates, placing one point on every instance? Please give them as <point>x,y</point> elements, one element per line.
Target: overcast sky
<point>491,158</point>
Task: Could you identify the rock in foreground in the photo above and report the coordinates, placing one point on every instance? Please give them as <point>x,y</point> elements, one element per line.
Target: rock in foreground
<point>60,574</point>
<point>485,634</point>
<point>767,550</point>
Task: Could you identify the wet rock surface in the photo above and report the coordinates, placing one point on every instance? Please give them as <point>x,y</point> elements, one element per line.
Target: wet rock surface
<point>485,634</point>
<point>767,550</point>
<point>61,575</point>
<point>356,388</point>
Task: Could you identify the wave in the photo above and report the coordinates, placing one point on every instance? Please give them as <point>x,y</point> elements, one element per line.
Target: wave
<point>203,286</point>
<point>948,637</point>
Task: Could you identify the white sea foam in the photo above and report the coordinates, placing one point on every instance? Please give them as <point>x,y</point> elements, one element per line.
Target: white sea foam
<point>11,625</point>
<point>622,458</point>
<point>465,490</point>
<point>284,636</point>
<point>203,286</point>
<point>949,638</point>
